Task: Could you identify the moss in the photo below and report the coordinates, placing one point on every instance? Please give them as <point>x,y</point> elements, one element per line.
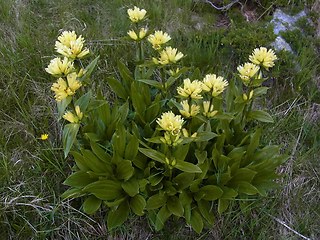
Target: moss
<point>306,26</point>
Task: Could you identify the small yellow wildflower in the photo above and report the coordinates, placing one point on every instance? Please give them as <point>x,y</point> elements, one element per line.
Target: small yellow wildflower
<point>58,67</point>
<point>136,15</point>
<point>63,90</point>
<point>262,56</point>
<point>69,116</point>
<point>215,84</point>
<point>190,89</point>
<point>170,122</point>
<point>248,71</point>
<point>158,38</point>
<point>71,46</point>
<point>208,110</point>
<point>142,33</point>
<point>133,34</point>
<point>44,136</point>
<point>169,55</point>
<point>186,111</point>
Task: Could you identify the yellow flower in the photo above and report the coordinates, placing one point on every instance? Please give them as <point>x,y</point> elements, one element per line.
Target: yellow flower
<point>264,57</point>
<point>208,110</point>
<point>142,33</point>
<point>69,116</point>
<point>170,122</point>
<point>190,89</point>
<point>71,46</point>
<point>63,90</point>
<point>44,136</point>
<point>169,55</point>
<point>158,38</point>
<point>215,84</point>
<point>186,111</point>
<point>136,15</point>
<point>248,71</point>
<point>58,67</point>
<point>81,72</point>
<point>133,35</point>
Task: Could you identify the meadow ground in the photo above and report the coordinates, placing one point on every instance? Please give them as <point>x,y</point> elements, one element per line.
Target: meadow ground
<point>32,171</point>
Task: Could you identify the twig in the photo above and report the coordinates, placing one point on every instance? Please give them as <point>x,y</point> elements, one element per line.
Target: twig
<point>284,224</point>
<point>224,7</point>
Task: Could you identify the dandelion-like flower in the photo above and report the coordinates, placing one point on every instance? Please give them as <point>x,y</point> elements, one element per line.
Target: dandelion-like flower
<point>44,136</point>
<point>248,71</point>
<point>71,46</point>
<point>186,111</point>
<point>262,56</point>
<point>190,89</point>
<point>214,84</point>
<point>170,122</point>
<point>169,55</point>
<point>73,118</point>
<point>158,38</point>
<point>136,15</point>
<point>58,67</point>
<point>63,89</point>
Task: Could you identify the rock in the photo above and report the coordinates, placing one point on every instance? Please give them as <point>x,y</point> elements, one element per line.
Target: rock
<point>281,44</point>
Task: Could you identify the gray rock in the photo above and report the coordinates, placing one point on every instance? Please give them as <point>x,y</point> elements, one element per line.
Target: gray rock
<point>281,44</point>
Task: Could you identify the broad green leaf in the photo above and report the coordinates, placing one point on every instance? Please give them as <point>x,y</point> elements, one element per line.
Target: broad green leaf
<point>80,161</point>
<point>118,216</point>
<point>69,135</point>
<point>124,169</point>
<point>260,91</point>
<point>228,193</point>
<point>162,217</point>
<point>79,180</point>
<point>223,116</point>
<point>181,152</point>
<point>211,192</point>
<point>261,116</point>
<point>170,82</point>
<point>138,204</point>
<point>196,221</point>
<point>156,201</point>
<point>153,83</point>
<point>91,205</point>
<point>62,105</point>
<point>187,167</point>
<point>132,148</point>
<point>131,187</point>
<point>153,154</point>
<point>83,101</point>
<point>95,104</point>
<point>243,174</point>
<point>205,136</point>
<point>117,87</point>
<point>104,189</point>
<point>89,69</point>
<point>174,206</point>
<point>206,211</point>
<point>247,188</point>
<point>223,205</point>
<point>122,112</point>
<point>116,202</point>
<point>183,180</point>
<point>201,156</point>
<point>119,140</point>
<point>155,179</point>
<point>94,163</point>
<point>71,193</point>
<point>100,153</point>
<point>125,73</point>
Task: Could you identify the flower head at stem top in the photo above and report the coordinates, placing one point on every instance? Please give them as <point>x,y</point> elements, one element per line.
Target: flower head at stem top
<point>190,89</point>
<point>63,89</point>
<point>44,136</point>
<point>215,85</point>
<point>58,67</point>
<point>262,56</point>
<point>136,15</point>
<point>168,55</point>
<point>73,118</point>
<point>158,38</point>
<point>248,71</point>
<point>170,122</point>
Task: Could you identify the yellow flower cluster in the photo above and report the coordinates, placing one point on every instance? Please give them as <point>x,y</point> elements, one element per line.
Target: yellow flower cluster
<point>262,56</point>
<point>58,67</point>
<point>73,118</point>
<point>187,111</point>
<point>248,71</point>
<point>170,122</point>
<point>190,89</point>
<point>140,36</point>
<point>208,110</point>
<point>168,55</point>
<point>158,38</point>
<point>215,85</point>
<point>64,89</point>
<point>71,46</point>
<point>136,15</point>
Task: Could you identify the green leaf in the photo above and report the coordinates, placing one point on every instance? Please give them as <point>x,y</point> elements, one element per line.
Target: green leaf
<point>131,187</point>
<point>83,101</point>
<point>80,161</point>
<point>104,189</point>
<point>117,87</point>
<point>94,163</point>
<point>175,207</point>
<point>206,211</point>
<point>78,179</point>
<point>62,105</point>
<point>201,156</point>
<point>91,205</point>
<point>69,135</point>
<point>183,180</point>
<point>156,201</point>
<point>228,193</point>
<point>153,154</point>
<point>254,143</point>
<point>260,91</point>
<point>247,188</point>
<point>119,140</point>
<point>132,148</point>
<point>138,204</point>
<point>95,104</point>
<point>196,221</point>
<point>211,192</point>
<point>187,167</point>
<point>89,69</point>
<point>205,136</point>
<point>261,116</point>
<point>71,193</point>
<point>162,217</point>
<point>124,169</point>
<point>223,205</point>
<point>181,152</point>
<point>125,73</point>
<point>153,83</point>
<point>100,153</point>
<point>243,174</point>
<point>118,216</point>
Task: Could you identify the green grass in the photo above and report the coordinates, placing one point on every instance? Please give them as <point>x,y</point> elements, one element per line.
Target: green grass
<point>32,171</point>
